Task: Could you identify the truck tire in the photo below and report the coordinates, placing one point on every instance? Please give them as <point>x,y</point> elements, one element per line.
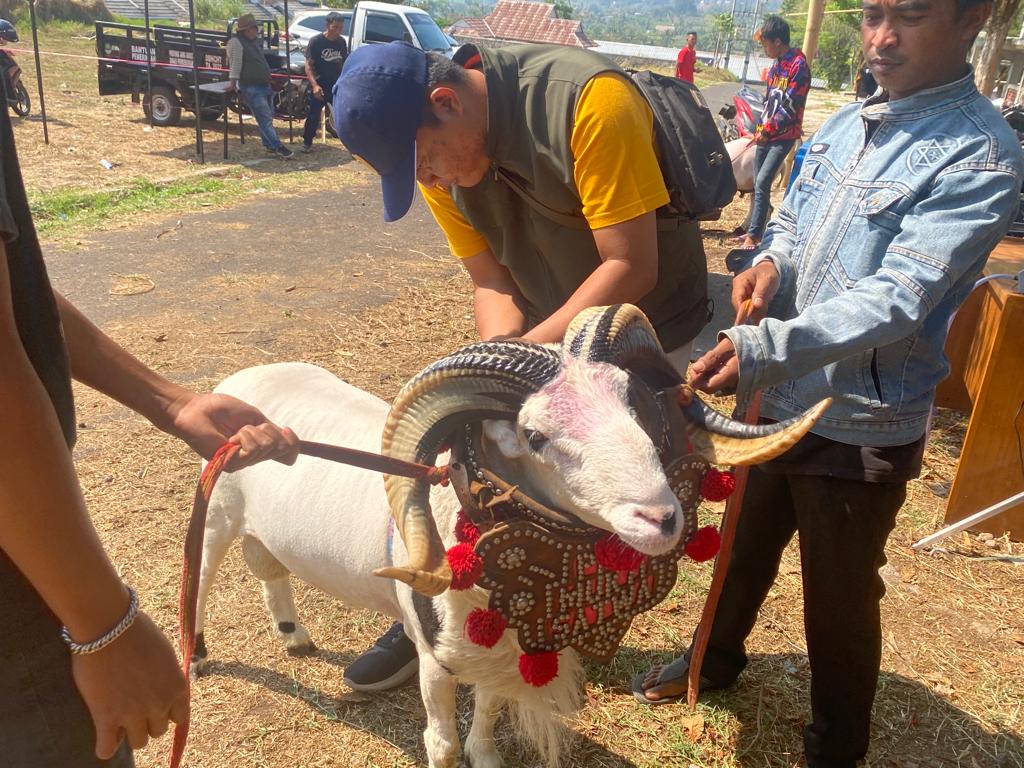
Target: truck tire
<point>162,105</point>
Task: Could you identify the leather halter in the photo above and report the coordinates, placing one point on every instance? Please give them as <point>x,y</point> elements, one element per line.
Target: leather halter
<point>543,568</point>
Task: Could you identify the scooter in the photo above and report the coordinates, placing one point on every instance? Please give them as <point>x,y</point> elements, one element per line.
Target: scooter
<point>14,89</point>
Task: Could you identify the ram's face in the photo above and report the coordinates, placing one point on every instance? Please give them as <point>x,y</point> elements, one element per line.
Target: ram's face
<point>581,445</point>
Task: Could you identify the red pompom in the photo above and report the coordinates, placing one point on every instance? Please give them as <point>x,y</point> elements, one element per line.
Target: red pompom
<point>717,486</point>
<point>539,669</point>
<point>466,566</point>
<point>484,627</point>
<point>465,531</point>
<point>615,554</point>
<point>704,544</point>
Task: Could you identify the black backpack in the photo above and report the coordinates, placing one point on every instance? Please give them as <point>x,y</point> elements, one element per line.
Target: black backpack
<point>694,162</point>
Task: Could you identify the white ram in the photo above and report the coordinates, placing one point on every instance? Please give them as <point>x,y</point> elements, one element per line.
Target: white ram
<point>564,438</point>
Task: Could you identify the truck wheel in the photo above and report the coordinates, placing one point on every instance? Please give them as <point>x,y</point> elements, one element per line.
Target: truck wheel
<point>162,105</point>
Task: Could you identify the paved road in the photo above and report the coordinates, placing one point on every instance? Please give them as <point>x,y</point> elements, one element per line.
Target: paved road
<point>332,243</point>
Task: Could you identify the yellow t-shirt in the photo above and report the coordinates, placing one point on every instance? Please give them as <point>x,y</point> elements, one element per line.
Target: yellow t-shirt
<point>616,169</point>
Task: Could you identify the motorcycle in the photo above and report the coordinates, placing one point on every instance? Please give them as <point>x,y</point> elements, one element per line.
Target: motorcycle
<point>739,119</point>
<point>15,91</point>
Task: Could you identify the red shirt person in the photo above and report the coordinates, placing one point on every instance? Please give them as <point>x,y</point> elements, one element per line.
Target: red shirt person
<point>687,58</point>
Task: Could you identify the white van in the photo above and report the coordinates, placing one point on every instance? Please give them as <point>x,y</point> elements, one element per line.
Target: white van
<point>373,22</point>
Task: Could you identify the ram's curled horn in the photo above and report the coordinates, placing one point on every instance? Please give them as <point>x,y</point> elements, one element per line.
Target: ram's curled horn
<point>479,381</point>
<point>721,440</point>
<point>621,335</point>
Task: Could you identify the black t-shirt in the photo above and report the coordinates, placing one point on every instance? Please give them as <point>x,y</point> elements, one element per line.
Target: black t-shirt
<point>327,58</point>
<point>35,309</point>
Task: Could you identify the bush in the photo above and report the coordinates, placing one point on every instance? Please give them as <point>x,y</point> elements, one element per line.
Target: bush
<point>80,11</point>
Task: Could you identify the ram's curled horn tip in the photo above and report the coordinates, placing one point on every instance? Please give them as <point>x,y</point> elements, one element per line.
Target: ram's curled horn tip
<point>745,451</point>
<point>424,582</point>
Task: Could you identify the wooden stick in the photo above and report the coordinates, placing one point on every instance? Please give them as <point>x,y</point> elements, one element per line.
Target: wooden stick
<point>730,520</point>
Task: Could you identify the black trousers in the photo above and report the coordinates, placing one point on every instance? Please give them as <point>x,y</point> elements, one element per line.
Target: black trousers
<point>43,721</point>
<point>842,526</point>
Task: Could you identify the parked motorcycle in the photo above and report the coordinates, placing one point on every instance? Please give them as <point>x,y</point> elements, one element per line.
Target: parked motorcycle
<point>739,119</point>
<point>14,89</point>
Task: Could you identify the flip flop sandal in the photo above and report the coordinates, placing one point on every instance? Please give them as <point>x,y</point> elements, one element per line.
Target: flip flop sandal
<point>675,670</point>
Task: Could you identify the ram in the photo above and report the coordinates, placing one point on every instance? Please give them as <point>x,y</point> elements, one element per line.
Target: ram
<point>577,434</point>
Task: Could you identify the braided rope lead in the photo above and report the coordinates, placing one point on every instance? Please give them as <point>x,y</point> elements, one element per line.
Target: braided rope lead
<point>190,581</point>
<point>106,639</point>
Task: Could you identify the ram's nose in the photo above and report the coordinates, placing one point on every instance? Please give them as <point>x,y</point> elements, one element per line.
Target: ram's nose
<point>661,515</point>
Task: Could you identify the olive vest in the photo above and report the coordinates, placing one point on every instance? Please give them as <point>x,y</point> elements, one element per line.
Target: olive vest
<point>532,92</point>
<point>255,69</point>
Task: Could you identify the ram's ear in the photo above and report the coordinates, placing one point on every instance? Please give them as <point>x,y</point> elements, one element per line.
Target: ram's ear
<point>503,434</point>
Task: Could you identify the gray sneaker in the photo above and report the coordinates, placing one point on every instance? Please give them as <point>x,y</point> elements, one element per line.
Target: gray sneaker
<point>391,662</point>
<point>284,152</point>
<point>306,149</point>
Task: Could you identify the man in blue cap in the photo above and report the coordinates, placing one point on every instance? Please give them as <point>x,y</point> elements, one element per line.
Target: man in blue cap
<point>538,163</point>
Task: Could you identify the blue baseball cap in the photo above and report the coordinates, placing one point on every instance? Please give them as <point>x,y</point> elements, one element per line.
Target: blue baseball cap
<point>378,106</point>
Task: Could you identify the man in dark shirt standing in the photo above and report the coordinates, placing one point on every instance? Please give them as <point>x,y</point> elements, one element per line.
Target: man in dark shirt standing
<point>325,56</point>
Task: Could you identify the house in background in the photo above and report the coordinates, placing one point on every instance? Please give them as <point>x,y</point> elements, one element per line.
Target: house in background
<point>521,21</point>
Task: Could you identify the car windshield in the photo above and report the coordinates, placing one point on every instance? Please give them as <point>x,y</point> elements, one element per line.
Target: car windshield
<point>429,34</point>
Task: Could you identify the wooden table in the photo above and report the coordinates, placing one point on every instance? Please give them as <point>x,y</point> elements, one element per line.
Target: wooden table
<point>986,351</point>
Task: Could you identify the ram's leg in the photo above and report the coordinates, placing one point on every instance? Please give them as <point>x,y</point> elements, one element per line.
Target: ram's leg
<point>441,736</point>
<point>217,538</point>
<point>277,594</point>
<point>481,750</point>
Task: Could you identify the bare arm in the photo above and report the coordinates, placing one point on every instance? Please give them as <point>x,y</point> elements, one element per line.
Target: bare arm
<point>497,302</point>
<point>205,422</point>
<point>134,682</point>
<point>314,86</point>
<point>628,272</point>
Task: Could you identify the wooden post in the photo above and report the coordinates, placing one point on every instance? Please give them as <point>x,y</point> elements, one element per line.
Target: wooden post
<point>815,13</point>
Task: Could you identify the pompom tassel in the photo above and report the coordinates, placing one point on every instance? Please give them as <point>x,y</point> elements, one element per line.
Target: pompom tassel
<point>466,566</point>
<point>717,486</point>
<point>615,554</point>
<point>465,531</point>
<point>485,627</point>
<point>539,669</point>
<point>704,544</point>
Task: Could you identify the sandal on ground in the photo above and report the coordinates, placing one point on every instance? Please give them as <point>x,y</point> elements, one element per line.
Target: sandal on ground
<point>675,671</point>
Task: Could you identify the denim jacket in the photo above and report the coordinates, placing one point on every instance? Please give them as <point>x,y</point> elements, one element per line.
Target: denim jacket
<point>877,243</point>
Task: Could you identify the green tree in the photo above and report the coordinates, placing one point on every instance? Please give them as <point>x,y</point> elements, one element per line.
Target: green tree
<point>1004,12</point>
<point>564,9</point>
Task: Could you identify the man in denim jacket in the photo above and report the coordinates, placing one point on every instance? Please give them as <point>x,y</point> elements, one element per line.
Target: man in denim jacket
<point>899,202</point>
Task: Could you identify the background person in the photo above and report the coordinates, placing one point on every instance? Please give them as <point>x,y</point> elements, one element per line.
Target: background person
<point>325,56</point>
<point>501,142</point>
<point>781,120</point>
<point>59,709</point>
<point>899,202</point>
<point>249,73</point>
<point>687,58</point>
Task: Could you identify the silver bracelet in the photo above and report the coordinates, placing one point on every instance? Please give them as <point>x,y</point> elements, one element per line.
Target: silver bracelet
<point>104,640</point>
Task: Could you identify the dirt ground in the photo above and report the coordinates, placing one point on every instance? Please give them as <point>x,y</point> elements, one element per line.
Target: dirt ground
<point>312,275</point>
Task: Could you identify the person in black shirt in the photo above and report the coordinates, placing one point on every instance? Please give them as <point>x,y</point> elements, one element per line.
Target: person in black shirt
<point>325,56</point>
<point>60,704</point>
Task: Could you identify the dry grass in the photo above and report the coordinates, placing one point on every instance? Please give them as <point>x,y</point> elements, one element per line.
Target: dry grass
<point>950,693</point>
<point>954,624</point>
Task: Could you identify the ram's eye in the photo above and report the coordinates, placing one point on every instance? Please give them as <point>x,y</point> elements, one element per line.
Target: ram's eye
<point>536,440</point>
